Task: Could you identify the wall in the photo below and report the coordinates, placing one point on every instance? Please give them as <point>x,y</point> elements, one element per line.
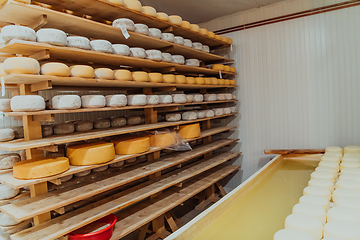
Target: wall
<point>299,85</point>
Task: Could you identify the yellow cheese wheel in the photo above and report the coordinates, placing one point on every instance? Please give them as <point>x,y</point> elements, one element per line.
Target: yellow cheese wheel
<point>208,81</point>
<point>133,4</point>
<point>82,71</point>
<point>194,27</point>
<point>186,24</point>
<point>181,79</point>
<point>104,73</point>
<point>119,2</point>
<point>190,80</point>
<point>352,149</point>
<point>232,69</point>
<point>211,34</point>
<point>140,76</point>
<point>155,77</point>
<point>2,73</point>
<point>190,131</point>
<point>55,69</point>
<point>227,68</point>
<point>163,139</point>
<point>218,67</point>
<point>224,39</point>
<point>175,19</point>
<point>214,81</point>
<point>200,80</point>
<point>123,75</point>
<point>162,16</point>
<point>90,153</point>
<point>21,65</point>
<point>131,145</point>
<point>221,81</point>
<point>218,37</point>
<point>147,10</point>
<point>229,41</point>
<point>203,31</point>
<point>226,81</point>
<point>169,78</point>
<point>33,168</point>
<point>232,82</point>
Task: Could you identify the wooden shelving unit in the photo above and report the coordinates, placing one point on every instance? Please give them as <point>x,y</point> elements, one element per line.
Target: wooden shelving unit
<point>141,193</point>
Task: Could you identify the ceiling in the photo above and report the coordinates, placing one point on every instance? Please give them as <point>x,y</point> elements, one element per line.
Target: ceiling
<point>197,11</point>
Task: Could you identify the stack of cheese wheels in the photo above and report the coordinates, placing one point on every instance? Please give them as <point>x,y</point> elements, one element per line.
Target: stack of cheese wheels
<point>190,131</point>
<point>131,145</point>
<point>90,153</point>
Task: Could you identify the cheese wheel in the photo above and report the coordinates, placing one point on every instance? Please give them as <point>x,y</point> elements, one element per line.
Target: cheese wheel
<point>93,101</point>
<point>317,191</point>
<point>166,57</point>
<point>123,75</point>
<point>162,16</point>
<point>165,99</point>
<point>169,78</point>
<point>329,164</point>
<point>7,192</point>
<point>197,97</point>
<point>55,69</point>
<point>179,40</point>
<point>343,214</point>
<point>64,128</point>
<point>203,31</point>
<point>342,230</point>
<point>311,210</point>
<point>316,200</point>
<point>5,105</point>
<point>192,62</point>
<point>189,131</point>
<point>27,103</point>
<point>186,24</point>
<point>227,68</point>
<point>104,73</point>
<point>194,27</point>
<point>117,100</point>
<point>349,176</point>
<point>348,184</point>
<point>226,81</point>
<point>173,117</point>
<point>126,23</point>
<point>188,116</point>
<point>218,37</point>
<point>180,79</point>
<point>309,224</point>
<point>221,81</point>
<point>175,19</point>
<point>201,114</point>
<point>21,65</point>
<point>228,96</point>
<point>200,80</point>
<point>10,32</point>
<point>78,42</point>
<point>220,97</point>
<point>323,175</point>
<point>147,10</point>
<point>66,102</point>
<point>51,36</point>
<point>334,149</point>
<point>179,59</point>
<point>117,164</point>
<point>83,173</point>
<point>187,43</point>
<point>137,52</point>
<point>349,165</point>
<point>84,126</point>
<point>118,122</point>
<point>152,99</point>
<point>155,77</point>
<point>206,48</point>
<point>82,71</point>
<point>100,169</point>
<point>211,34</point>
<point>163,139</point>
<point>6,134</point>
<point>229,41</point>
<point>224,39</point>
<point>350,159</point>
<point>18,132</point>
<point>232,69</point>
<point>197,45</point>
<point>233,109</point>
<point>101,46</point>
<point>34,168</point>
<point>345,193</point>
<point>293,234</point>
<point>190,80</point>
<point>354,149</point>
<point>133,4</point>
<point>8,160</point>
<point>136,100</point>
<point>121,49</point>
<point>102,123</point>
<point>232,82</point>
<point>214,81</point>
<point>6,220</point>
<point>142,29</point>
<point>155,55</point>
<point>134,120</point>
<point>118,2</point>
<point>155,32</point>
<point>168,37</point>
<point>47,130</point>
<point>189,98</point>
<point>210,97</point>
<point>218,111</point>
<point>351,170</point>
<point>227,110</point>
<point>90,153</point>
<point>322,183</point>
<point>218,67</point>
<point>179,98</point>
<point>210,113</point>
<point>140,76</point>
<point>131,145</point>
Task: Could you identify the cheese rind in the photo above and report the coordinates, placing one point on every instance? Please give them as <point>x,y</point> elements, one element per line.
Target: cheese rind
<point>168,37</point>
<point>137,52</point>
<point>203,31</point>
<point>192,62</point>
<point>27,103</point>
<point>6,134</point>
<point>133,4</point>
<point>211,34</point>
<point>117,100</point>
<point>147,10</point>
<point>123,75</point>
<point>101,46</point>
<point>78,42</point>
<point>173,117</point>
<point>131,145</point>
<point>126,23</point>
<point>311,210</point>
<point>293,234</point>
<point>64,128</point>
<point>136,100</point>
<point>181,79</point>
<point>51,36</point>
<point>175,19</point>
<point>352,149</point>
<point>155,32</point>
<point>190,131</point>
<point>317,200</point>
<point>162,16</point>
<point>200,80</point>
<point>152,99</point>
<point>194,27</point>
<point>169,78</point>
<point>82,71</point>
<point>33,168</point>
<point>6,220</point>
<point>155,77</point>
<point>7,192</point>
<point>155,55</point>
<point>55,69</point>
<point>134,120</point>
<point>5,105</point>
<point>197,45</point>
<point>179,98</point>
<point>218,67</point>
<point>179,40</point>
<point>21,65</point>
<point>84,126</point>
<point>8,160</point>
<point>305,223</point>
<point>343,214</point>
<point>190,80</point>
<point>102,123</point>
<point>165,99</point>
<point>317,191</point>
<point>90,153</point>
<point>93,101</point>
<point>186,24</point>
<point>342,230</point>
<point>163,139</point>
<point>140,76</point>
<point>66,102</point>
<point>334,149</point>
<point>118,122</point>
<point>18,32</point>
<point>83,173</point>
<point>187,43</point>
<point>104,73</point>
<point>121,49</point>
<point>142,29</point>
<point>166,57</point>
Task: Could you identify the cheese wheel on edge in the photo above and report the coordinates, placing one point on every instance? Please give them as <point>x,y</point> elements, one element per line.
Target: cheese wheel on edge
<point>190,131</point>
<point>90,153</point>
<point>55,69</point>
<point>140,76</point>
<point>21,65</point>
<point>155,77</point>
<point>186,24</point>
<point>27,103</point>
<point>104,73</point>
<point>82,71</point>
<point>147,10</point>
<point>131,145</point>
<point>175,19</point>
<point>123,75</point>
<point>162,16</point>
<point>133,4</point>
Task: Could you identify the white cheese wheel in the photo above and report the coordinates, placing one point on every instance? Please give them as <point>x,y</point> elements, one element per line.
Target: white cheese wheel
<point>5,105</point>
<point>165,99</point>
<point>317,191</point>
<point>233,109</point>
<point>350,176</point>
<point>309,224</point>
<point>348,183</point>
<point>82,71</point>
<point>117,164</point>
<point>162,16</point>
<point>192,62</point>
<point>175,19</point>
<point>78,42</point>
<point>166,57</point>
<point>187,43</point>
<point>316,200</point>
<point>201,114</point>
<point>352,149</point>
<point>293,234</point>
<point>190,115</point>
<point>189,98</point>
<point>64,128</point>
<point>351,170</point>
<point>198,97</point>
<point>7,192</point>
<point>323,175</point>
<point>18,32</point>
<point>93,101</point>
<point>154,55</point>
<point>220,97</point>
<point>6,134</point>
<point>334,149</point>
<point>330,158</point>
<point>194,27</point>
<point>134,120</point>
<point>123,75</point>
<point>152,99</point>
<point>329,164</point>
<point>234,96</point>
<point>317,182</point>
<point>169,78</point>
<point>51,36</point>
<point>197,45</point>
<point>179,40</point>
<point>218,111</point>
<point>140,76</point>
<point>6,220</point>
<point>210,97</point>
<point>8,160</point>
<point>228,96</point>
<point>179,59</point>
<point>104,73</point>
<point>206,48</point>
<point>66,178</point>
<point>173,117</point>
<point>142,29</point>
<point>133,4</point>
<point>350,159</point>
<point>155,32</point>
<point>101,46</point>
<point>147,10</point>
<point>21,65</point>
<point>349,165</point>
<point>210,113</point>
<point>168,37</point>
<point>227,110</point>
<point>345,193</point>
<point>83,173</point>
<point>137,52</point>
<point>27,103</point>
<point>117,100</point>
<point>66,102</point>
<point>155,77</point>
<point>100,169</point>
<point>341,229</point>
<point>47,130</point>
<point>179,98</point>
<point>124,23</point>
<point>136,100</point>
<point>121,49</point>
<point>102,123</point>
<point>55,69</point>
<point>311,210</point>
<point>84,126</point>
<point>118,122</point>
<point>343,214</point>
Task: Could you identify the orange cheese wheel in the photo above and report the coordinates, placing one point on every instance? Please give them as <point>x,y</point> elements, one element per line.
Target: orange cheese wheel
<point>131,145</point>
<point>163,139</point>
<point>190,131</point>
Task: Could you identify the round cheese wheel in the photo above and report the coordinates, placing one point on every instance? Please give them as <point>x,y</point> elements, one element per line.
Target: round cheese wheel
<point>21,65</point>
<point>100,169</point>
<point>220,97</point>
<point>186,24</point>
<point>133,4</point>
<point>173,117</point>
<point>169,78</point>
<point>142,29</point>
<point>8,160</point>
<point>90,153</point>
<point>221,81</point>
<point>218,111</point>
<point>210,113</point>
<point>227,110</point>
<point>349,176</point>
<point>163,139</point>
<point>66,178</point>
<point>232,82</point>
<point>55,69</point>
<point>309,224</point>
<point>316,200</point>
<point>179,59</point>
<point>334,149</point>
<point>218,67</point>
<point>117,164</point>
<point>198,97</point>
<point>192,62</point>
<point>102,123</point>
<point>147,10</point>
<point>179,98</point>
<point>83,173</point>
<point>210,97</point>
<point>200,80</point>
<point>118,122</point>
<point>64,128</point>
<point>350,159</point>
<point>168,37</point>
<point>126,23</point>
<point>117,100</point>
<point>293,234</point>
<point>194,27</point>
<point>352,154</point>
<point>137,52</point>
<point>179,40</point>
<point>155,32</point>
<point>162,16</point>
<point>353,149</point>
<point>189,98</point>
<point>104,73</point>
<point>226,81</point>
<point>82,71</point>
<point>78,42</point>
<point>140,76</point>
<point>101,46</point>
<point>27,103</point>
<point>317,191</point>
<point>10,32</point>
<point>229,41</point>
<point>317,182</point>
<point>190,131</point>
<point>84,126</point>
<point>187,43</point>
<point>136,100</point>
<point>349,165</point>
<point>311,210</point>
<point>214,81</point>
<point>7,192</point>
<point>155,55</point>
<point>180,79</point>
<point>123,75</point>
<point>323,175</point>
<point>227,68</point>
<point>121,49</point>
<point>345,193</point>
<point>165,99</point>
<point>51,36</point>
<point>206,48</point>
<point>343,214</point>
<point>233,109</point>
<point>132,145</point>
<point>5,105</point>
<point>47,130</point>
<point>66,102</point>
<point>155,77</point>
<point>329,164</point>
<point>197,45</point>
<point>341,229</point>
<point>175,19</point>
<point>166,57</point>
<point>152,99</point>
<point>228,96</point>
<point>351,170</point>
<point>93,101</point>
<point>348,184</point>
<point>218,37</point>
<point>232,69</point>
<point>190,80</point>
<point>203,31</point>
<point>224,39</point>
<point>211,34</point>
<point>201,114</point>
<point>118,2</point>
<point>190,115</point>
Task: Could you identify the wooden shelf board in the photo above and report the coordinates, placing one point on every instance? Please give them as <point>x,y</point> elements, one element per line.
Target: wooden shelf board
<point>76,219</point>
<point>133,218</point>
<point>9,180</point>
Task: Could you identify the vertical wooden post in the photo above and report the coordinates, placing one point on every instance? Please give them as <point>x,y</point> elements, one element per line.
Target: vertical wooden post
<point>206,125</point>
